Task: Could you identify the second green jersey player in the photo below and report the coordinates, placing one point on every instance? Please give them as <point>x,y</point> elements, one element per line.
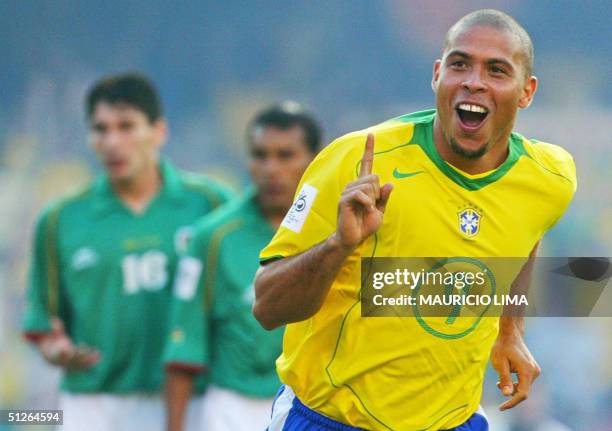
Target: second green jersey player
<point>213,327</point>
<point>215,304</point>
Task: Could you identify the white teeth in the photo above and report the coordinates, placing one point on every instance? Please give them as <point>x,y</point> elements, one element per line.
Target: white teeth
<point>473,108</point>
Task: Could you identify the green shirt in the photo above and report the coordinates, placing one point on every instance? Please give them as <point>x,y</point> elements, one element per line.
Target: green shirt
<point>106,271</point>
<point>212,321</point>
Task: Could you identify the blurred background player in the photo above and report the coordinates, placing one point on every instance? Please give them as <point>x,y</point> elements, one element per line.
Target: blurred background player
<point>103,260</point>
<point>454,181</point>
<point>212,327</point>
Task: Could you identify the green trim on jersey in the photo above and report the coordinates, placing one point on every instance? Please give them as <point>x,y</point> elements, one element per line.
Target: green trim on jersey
<point>213,256</point>
<point>53,262</point>
<point>270,259</point>
<point>423,136</point>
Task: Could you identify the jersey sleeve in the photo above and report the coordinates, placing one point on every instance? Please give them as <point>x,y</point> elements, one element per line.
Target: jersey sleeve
<point>313,215</point>
<point>188,340</point>
<point>564,204</point>
<point>561,163</point>
<point>43,289</point>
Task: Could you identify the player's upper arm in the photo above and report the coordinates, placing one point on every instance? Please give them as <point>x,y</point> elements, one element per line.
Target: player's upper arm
<point>187,341</point>
<point>42,293</point>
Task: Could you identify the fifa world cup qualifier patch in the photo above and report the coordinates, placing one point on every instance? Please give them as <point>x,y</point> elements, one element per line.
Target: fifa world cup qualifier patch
<point>296,216</point>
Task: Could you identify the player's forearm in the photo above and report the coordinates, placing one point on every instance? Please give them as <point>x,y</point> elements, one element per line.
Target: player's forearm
<point>179,386</point>
<point>294,288</point>
<point>520,286</point>
<point>511,326</point>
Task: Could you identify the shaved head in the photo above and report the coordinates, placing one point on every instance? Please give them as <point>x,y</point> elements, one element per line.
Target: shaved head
<point>500,21</point>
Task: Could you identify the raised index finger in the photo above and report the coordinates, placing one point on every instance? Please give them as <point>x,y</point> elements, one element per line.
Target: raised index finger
<point>368,157</point>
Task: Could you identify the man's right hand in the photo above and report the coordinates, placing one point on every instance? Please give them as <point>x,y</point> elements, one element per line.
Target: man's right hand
<point>58,349</point>
<point>362,204</point>
<point>294,288</point>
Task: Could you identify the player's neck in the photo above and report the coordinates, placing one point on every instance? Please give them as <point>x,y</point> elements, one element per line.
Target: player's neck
<point>138,192</point>
<point>492,159</point>
<point>275,219</point>
<point>274,216</point>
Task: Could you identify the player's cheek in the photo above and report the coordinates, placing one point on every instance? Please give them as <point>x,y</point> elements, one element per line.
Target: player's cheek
<point>297,170</point>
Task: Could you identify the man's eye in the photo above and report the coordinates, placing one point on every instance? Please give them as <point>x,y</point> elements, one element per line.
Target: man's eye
<point>458,64</point>
<point>258,155</point>
<point>285,155</point>
<point>125,126</point>
<point>98,128</point>
<point>498,70</point>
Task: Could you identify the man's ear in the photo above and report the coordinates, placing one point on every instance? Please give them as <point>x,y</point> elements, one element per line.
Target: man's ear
<point>528,91</point>
<point>161,131</point>
<point>435,75</point>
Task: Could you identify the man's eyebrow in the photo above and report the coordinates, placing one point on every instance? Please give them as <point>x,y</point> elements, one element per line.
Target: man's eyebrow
<point>500,61</point>
<point>458,53</point>
<point>490,61</point>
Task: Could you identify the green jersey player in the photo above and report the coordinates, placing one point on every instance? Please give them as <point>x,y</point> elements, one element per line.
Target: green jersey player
<point>213,327</point>
<point>103,261</point>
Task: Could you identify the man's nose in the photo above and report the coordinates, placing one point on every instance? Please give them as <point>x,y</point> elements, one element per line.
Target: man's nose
<point>474,82</point>
<point>111,139</point>
<point>272,166</point>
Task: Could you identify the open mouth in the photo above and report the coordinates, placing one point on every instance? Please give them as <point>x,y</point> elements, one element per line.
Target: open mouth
<point>471,116</point>
<point>114,164</point>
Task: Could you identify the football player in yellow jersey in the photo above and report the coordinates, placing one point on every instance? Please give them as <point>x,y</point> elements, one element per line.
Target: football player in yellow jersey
<point>454,181</point>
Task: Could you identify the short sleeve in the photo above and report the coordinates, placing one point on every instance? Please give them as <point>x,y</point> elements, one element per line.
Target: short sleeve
<point>43,289</point>
<point>561,162</point>
<point>312,217</point>
<point>187,342</point>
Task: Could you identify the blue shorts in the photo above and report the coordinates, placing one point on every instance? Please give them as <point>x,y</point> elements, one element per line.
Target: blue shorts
<point>289,414</point>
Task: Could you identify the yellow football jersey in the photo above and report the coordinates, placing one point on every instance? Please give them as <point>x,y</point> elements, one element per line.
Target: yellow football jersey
<point>390,373</point>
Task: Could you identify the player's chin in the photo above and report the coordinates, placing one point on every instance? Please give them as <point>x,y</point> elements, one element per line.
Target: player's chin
<point>120,174</point>
<point>470,148</point>
<point>276,200</point>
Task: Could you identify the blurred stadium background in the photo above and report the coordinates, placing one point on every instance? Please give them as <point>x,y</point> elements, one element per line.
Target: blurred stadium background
<point>353,63</point>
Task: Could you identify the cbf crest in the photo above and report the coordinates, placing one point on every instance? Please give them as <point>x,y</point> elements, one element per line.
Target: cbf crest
<point>469,222</point>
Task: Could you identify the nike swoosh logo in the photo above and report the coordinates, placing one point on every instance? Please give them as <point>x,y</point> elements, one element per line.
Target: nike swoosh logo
<point>400,175</point>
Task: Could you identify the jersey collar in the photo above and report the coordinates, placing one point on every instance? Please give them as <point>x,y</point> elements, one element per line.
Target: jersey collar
<point>172,185</point>
<point>106,199</point>
<point>468,182</point>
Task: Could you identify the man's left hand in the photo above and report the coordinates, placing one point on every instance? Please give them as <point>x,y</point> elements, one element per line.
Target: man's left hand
<point>511,355</point>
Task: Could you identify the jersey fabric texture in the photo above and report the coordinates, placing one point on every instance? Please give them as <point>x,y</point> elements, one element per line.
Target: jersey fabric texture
<point>105,272</point>
<point>212,322</point>
<point>402,373</point>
